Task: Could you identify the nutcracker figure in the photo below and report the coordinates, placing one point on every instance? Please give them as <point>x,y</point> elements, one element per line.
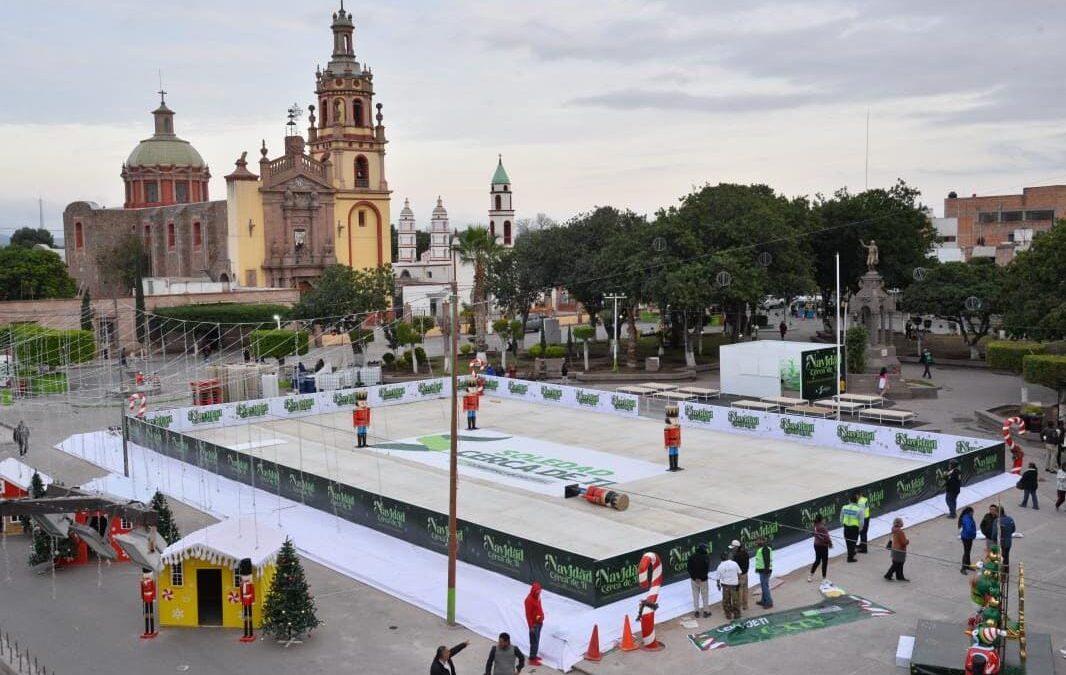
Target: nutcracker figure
<point>672,437</point>
<point>470,403</point>
<point>360,419</point>
<point>148,598</point>
<point>247,598</point>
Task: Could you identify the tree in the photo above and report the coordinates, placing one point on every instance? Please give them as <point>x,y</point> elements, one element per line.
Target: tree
<point>289,610</point>
<point>585,333</point>
<point>1048,370</point>
<point>517,278</point>
<point>165,525</point>
<point>855,346</point>
<point>343,296</point>
<point>124,266</point>
<point>524,226</point>
<point>477,248</point>
<point>45,548</point>
<point>86,311</point>
<point>508,331</point>
<point>1034,288</point>
<point>412,334</point>
<point>28,237</point>
<point>277,344</point>
<point>948,290</point>
<point>33,274</point>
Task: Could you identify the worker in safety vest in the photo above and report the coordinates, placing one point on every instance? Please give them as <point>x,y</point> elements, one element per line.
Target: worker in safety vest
<point>361,419</point>
<point>764,567</point>
<point>864,504</point>
<point>851,517</point>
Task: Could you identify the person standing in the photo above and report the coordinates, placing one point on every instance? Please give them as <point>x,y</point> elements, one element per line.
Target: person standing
<point>728,574</point>
<point>1028,484</point>
<point>1050,437</point>
<point>783,327</point>
<point>967,533</point>
<point>764,567</point>
<point>988,523</point>
<point>926,360</point>
<point>21,436</point>
<point>822,543</point>
<point>442,663</point>
<point>535,620</point>
<point>898,544</point>
<point>743,561</point>
<point>851,517</point>
<point>864,504</point>
<point>1060,486</point>
<point>1062,443</point>
<point>882,382</point>
<point>505,658</point>
<point>1004,529</point>
<point>952,486</point>
<point>699,566</point>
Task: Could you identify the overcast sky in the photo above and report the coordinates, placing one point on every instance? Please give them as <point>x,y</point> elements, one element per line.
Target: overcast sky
<point>614,102</point>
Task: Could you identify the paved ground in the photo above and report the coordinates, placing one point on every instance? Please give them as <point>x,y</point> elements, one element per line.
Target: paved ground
<point>91,629</point>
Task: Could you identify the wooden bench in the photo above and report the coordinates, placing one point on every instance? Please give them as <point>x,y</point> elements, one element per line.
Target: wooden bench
<point>751,404</point>
<point>889,414</point>
<point>700,393</point>
<point>784,401</point>
<point>674,396</point>
<point>849,407</point>
<point>658,386</point>
<point>810,411</point>
<point>865,399</point>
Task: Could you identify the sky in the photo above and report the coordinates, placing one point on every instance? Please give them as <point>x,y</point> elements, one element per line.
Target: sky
<point>608,102</point>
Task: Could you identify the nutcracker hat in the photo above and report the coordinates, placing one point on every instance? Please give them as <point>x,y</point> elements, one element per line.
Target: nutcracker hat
<point>361,396</point>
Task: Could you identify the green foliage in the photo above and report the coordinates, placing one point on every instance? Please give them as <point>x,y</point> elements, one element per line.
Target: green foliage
<point>125,264</point>
<point>49,383</point>
<point>420,354</point>
<point>360,338</point>
<point>466,348</point>
<point>278,344</point>
<point>478,248</point>
<point>1008,354</point>
<point>35,345</point>
<point>86,311</point>
<point>555,352</point>
<point>289,609</point>
<point>344,296</point>
<point>1047,370</point>
<point>388,358</point>
<point>509,331</point>
<point>165,525</point>
<point>536,351</point>
<point>945,290</point>
<point>43,546</point>
<point>422,324</point>
<point>33,274</point>
<point>225,312</point>
<point>518,277</point>
<point>585,333</point>
<point>855,344</point>
<point>543,338</point>
<point>1034,288</point>
<point>422,243</point>
<point>37,489</point>
<point>28,237</point>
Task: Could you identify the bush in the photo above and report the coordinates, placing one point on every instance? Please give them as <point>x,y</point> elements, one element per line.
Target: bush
<point>584,333</point>
<point>277,344</point>
<point>855,343</point>
<point>554,352</point>
<point>420,354</point>
<point>536,351</point>
<point>403,363</point>
<point>466,348</point>
<point>388,358</point>
<point>38,346</point>
<point>422,324</point>
<point>360,337</point>
<point>225,312</point>
<point>1047,370</point>
<point>1008,354</point>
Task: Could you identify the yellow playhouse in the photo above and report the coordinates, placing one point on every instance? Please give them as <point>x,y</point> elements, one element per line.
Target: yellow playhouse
<point>199,584</point>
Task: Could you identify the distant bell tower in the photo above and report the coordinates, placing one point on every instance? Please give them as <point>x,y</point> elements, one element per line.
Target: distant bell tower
<point>501,211</point>
<point>440,234</point>
<point>407,246</point>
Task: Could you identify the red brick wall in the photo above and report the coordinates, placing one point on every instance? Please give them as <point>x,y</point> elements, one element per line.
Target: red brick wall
<point>966,209</point>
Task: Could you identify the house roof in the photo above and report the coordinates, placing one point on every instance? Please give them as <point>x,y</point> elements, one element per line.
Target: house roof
<point>19,474</point>
<point>227,543</point>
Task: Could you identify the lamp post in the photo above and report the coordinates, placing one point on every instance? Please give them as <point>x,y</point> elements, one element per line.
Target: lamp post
<point>838,329</point>
<point>453,463</point>
<point>277,319</point>
<point>614,349</point>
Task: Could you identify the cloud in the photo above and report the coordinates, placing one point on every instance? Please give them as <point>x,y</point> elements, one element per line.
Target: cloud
<point>635,99</point>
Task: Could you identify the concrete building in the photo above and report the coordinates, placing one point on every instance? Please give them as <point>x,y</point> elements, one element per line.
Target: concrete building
<point>999,226</point>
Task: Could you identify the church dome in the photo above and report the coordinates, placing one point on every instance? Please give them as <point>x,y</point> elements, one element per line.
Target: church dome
<point>164,148</point>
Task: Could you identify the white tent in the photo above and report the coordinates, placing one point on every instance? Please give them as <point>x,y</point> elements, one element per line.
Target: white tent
<point>773,367</point>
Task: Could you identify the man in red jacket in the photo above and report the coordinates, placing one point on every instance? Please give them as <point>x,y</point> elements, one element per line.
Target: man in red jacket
<point>535,619</point>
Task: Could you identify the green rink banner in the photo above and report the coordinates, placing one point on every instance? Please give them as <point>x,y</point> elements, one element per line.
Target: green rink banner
<point>831,612</point>
<point>592,582</point>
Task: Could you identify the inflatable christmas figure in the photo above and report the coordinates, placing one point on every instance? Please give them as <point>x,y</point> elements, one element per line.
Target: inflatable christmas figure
<point>1016,453</point>
<point>148,598</point>
<point>650,573</point>
<point>990,624</point>
<point>361,419</point>
<point>247,598</point>
<point>982,658</point>
<point>471,401</point>
<point>672,437</point>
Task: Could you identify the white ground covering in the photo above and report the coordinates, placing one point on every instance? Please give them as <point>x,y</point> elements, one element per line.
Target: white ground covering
<point>19,474</point>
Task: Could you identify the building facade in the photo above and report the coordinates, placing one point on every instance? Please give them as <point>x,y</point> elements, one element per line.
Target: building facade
<point>1001,225</point>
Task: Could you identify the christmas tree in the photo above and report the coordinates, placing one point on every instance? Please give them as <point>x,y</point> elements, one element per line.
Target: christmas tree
<point>45,548</point>
<point>289,611</point>
<point>165,525</point>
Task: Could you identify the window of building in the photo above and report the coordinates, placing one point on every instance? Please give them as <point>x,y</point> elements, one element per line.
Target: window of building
<point>980,241</point>
<point>151,192</point>
<point>299,238</point>
<point>177,574</point>
<point>197,235</point>
<point>250,278</point>
<point>125,523</point>
<point>323,109</point>
<point>362,218</point>
<point>362,172</point>
<point>171,237</point>
<point>237,578</point>
<point>358,113</point>
<point>147,238</point>
<point>1011,216</point>
<point>499,203</point>
<point>429,274</point>
<point>1010,236</point>
<point>988,217</point>
<point>181,192</point>
<point>12,519</point>
<point>506,233</point>
<point>492,229</point>
<point>947,239</point>
<point>79,239</point>
<point>1043,214</point>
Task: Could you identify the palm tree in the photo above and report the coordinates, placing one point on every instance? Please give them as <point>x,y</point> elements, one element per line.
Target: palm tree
<point>478,248</point>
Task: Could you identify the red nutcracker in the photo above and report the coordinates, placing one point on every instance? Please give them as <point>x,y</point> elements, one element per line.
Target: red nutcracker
<point>471,401</point>
<point>247,598</point>
<point>148,598</point>
<point>672,437</point>
<point>361,419</point>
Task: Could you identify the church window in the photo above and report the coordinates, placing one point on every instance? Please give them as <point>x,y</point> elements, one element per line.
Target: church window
<point>79,239</point>
<point>324,110</point>
<point>362,172</point>
<point>197,235</point>
<point>492,229</point>
<point>151,192</point>
<point>358,113</point>
<point>362,218</point>
<point>506,233</point>
<point>505,188</point>
<point>499,203</point>
<point>347,44</point>
<point>299,238</point>
<point>171,238</point>
<point>181,192</point>
<point>148,237</point>
<point>338,111</point>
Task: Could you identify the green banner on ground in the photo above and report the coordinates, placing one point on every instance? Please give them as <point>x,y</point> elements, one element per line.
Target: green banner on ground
<point>831,612</point>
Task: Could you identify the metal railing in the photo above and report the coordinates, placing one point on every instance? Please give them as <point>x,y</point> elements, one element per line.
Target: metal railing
<point>18,659</point>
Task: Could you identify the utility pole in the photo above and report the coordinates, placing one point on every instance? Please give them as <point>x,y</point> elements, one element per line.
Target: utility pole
<point>616,297</point>
<point>453,468</point>
<point>838,333</point>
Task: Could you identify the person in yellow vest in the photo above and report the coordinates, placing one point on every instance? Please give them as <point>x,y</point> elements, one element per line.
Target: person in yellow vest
<point>851,517</point>
<point>764,567</point>
<point>864,504</point>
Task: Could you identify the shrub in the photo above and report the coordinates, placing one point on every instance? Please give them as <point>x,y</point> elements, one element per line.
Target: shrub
<point>536,351</point>
<point>277,344</point>
<point>388,358</point>
<point>1008,354</point>
<point>225,312</point>
<point>855,343</point>
<point>403,363</point>
<point>584,333</point>
<point>555,352</point>
<point>38,346</point>
<point>1046,369</point>
<point>420,354</point>
<point>466,348</point>
<point>422,324</point>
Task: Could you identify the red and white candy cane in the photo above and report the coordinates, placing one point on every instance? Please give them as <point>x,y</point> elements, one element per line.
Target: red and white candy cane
<point>476,366</point>
<point>138,403</point>
<point>1008,438</point>
<point>650,574</point>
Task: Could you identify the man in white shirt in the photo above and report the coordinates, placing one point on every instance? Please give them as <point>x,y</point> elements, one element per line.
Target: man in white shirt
<point>728,574</point>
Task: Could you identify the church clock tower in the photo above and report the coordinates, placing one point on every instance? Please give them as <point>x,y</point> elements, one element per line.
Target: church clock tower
<point>353,141</point>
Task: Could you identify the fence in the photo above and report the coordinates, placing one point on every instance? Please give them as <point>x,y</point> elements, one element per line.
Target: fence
<point>16,659</point>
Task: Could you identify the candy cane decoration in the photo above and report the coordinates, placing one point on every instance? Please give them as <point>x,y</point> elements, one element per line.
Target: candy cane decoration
<point>139,402</point>
<point>650,573</point>
<point>476,366</point>
<point>1008,438</point>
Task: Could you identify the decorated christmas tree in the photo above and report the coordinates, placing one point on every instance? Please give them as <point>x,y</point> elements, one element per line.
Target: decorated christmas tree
<point>165,524</point>
<point>45,547</point>
<point>289,611</point>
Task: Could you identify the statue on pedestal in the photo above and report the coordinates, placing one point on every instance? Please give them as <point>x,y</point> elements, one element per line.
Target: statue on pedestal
<point>871,253</point>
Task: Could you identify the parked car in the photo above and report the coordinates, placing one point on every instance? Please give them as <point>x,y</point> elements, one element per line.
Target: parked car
<point>534,323</point>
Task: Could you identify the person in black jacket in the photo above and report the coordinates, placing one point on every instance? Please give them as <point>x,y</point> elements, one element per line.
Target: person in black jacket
<point>1028,483</point>
<point>743,560</point>
<point>988,526</point>
<point>952,486</point>
<point>442,662</point>
<point>699,565</point>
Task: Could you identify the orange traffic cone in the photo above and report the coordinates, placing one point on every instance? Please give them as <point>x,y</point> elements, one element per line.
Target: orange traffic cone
<point>593,653</point>
<point>628,644</point>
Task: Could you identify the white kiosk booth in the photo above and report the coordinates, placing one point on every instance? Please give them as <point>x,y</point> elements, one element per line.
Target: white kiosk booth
<point>765,368</point>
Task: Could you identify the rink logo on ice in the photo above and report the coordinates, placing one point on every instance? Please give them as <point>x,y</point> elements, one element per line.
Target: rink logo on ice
<point>340,499</point>
<point>612,581</point>
<point>551,393</point>
<point>246,410</point>
<point>430,388</point>
<point>567,574</point>
<point>204,416</point>
<point>508,555</point>
<point>586,399</point>
<point>390,516</point>
<point>963,447</point>
<point>391,393</point>
<point>268,474</point>
<point>855,436</point>
<point>623,404</point>
<point>797,428</point>
<point>702,415</point>
<point>438,532</point>
<point>293,405</point>
<point>906,489</point>
<point>919,445</point>
<point>518,388</point>
<point>163,421</point>
<point>742,421</point>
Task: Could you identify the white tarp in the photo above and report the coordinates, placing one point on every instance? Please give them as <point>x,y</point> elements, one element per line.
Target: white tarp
<point>526,463</point>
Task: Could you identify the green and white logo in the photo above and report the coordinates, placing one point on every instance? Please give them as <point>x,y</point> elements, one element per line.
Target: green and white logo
<point>246,410</point>
<point>505,555</point>
<point>800,428</point>
<point>239,464</point>
<point>438,531</point>
<point>567,574</point>
<point>986,463</point>
<point>907,489</point>
<point>491,384</point>
<point>390,516</point>
<point>391,393</point>
<point>677,557</point>
<point>615,580</point>
<point>344,398</point>
<point>623,404</point>
<point>339,498</point>
<point>588,399</point>
<point>861,437</point>
<point>743,421</point>
<point>163,421</point>
<point>750,533</point>
<point>431,388</point>
<point>828,512</point>
<point>268,474</point>
<point>301,486</point>
<point>207,457</point>
<point>197,416</point>
<point>703,415</point>
<point>920,445</point>
<point>299,404</point>
<point>963,447</point>
<point>551,393</point>
<point>517,388</point>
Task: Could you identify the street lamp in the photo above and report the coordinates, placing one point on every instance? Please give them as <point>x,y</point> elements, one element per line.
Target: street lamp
<point>277,318</point>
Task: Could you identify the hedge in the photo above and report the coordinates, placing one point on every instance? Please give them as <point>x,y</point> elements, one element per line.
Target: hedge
<point>1047,370</point>
<point>277,344</point>
<point>38,346</point>
<point>1008,354</point>
<point>225,312</point>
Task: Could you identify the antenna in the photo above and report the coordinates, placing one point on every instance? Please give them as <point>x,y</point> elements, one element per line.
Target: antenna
<point>294,114</point>
<point>866,183</point>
